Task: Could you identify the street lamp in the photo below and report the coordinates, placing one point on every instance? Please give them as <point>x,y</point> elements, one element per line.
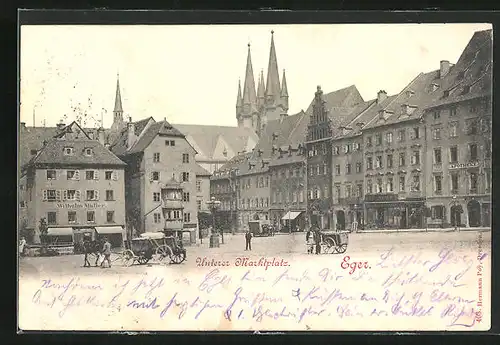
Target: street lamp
<point>214,238</point>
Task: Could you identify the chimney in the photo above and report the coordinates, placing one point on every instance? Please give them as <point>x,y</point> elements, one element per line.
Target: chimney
<point>107,145</point>
<point>61,125</point>
<point>100,135</point>
<point>444,68</point>
<point>381,96</point>
<point>130,133</point>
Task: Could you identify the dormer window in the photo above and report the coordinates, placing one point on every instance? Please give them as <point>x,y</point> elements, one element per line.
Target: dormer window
<point>33,152</point>
<point>68,151</point>
<point>434,87</point>
<point>88,151</point>
<point>466,89</point>
<point>409,93</point>
<point>446,93</point>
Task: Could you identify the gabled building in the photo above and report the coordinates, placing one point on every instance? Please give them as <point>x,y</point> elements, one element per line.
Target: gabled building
<point>156,153</point>
<point>75,184</point>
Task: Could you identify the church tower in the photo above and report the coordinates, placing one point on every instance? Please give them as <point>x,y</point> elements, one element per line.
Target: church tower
<point>246,107</point>
<point>118,123</point>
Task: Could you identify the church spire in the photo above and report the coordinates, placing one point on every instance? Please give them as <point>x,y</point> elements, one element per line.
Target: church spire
<point>249,95</point>
<point>239,100</point>
<point>273,78</point>
<point>118,96</point>
<point>284,89</point>
<point>261,89</point>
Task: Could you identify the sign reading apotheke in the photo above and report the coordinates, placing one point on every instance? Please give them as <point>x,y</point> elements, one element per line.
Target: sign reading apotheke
<point>76,205</point>
<point>464,165</point>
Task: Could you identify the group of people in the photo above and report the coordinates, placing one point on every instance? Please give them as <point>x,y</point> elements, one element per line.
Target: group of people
<point>102,253</point>
<point>313,240</point>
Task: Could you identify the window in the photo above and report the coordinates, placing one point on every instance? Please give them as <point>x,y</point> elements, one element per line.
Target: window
<point>301,196</point>
<point>156,197</point>
<point>33,152</point>
<point>487,181</point>
<point>388,138</point>
<point>110,216</point>
<point>453,154</point>
<point>415,158</point>
<point>169,143</point>
<point>487,149</point>
<point>187,217</point>
<point>71,217</point>
<point>472,127</point>
<point>185,158</point>
<point>68,151</point>
<point>401,135</point>
<point>155,176</point>
<point>402,159</point>
<point>378,162</point>
<point>110,195</point>
<point>157,217</point>
<point>198,185</point>
<point>359,190</point>
<point>51,218</point>
<point>415,187</point>
<point>348,191</point>
<point>358,167</point>
<point>92,195</point>
<point>416,133</point>
<point>348,169</point>
<point>402,183</point>
<point>338,192</point>
<point>453,129</point>
<point>453,111</point>
<point>473,182</point>
<point>90,216</point>
<point>337,169</point>
<point>185,196</point>
<point>390,185</point>
<point>454,183</point>
<point>71,194</point>
<point>473,108</point>
<point>51,174</point>
<point>436,114</point>
<point>437,156</point>
<point>389,161</point>
<point>369,141</point>
<point>369,187</point>
<point>90,175</point>
<point>108,175</point>
<point>198,203</point>
<point>473,152</point>
<point>185,177</point>
<point>52,195</point>
<point>436,133</point>
<point>72,175</point>
<point>369,163</point>
<point>438,184</point>
<point>88,151</point>
<point>378,139</point>
<point>156,157</point>
<point>379,185</point>
<point>437,212</point>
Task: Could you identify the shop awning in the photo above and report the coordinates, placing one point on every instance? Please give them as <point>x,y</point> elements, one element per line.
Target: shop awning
<point>109,229</point>
<point>60,231</point>
<point>291,215</point>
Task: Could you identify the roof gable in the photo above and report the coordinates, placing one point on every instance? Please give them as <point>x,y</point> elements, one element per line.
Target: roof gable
<point>222,149</point>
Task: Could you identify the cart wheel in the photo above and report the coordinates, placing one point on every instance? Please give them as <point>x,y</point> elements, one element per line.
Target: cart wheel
<point>128,258</point>
<point>178,258</point>
<point>330,246</point>
<point>163,252</point>
<point>341,249</point>
<point>142,260</point>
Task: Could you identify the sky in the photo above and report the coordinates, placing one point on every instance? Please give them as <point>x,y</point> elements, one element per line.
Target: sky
<point>189,74</point>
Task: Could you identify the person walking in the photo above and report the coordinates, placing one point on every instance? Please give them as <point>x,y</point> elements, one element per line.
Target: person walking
<point>22,246</point>
<point>317,240</point>
<point>248,240</point>
<point>106,251</point>
<point>309,242</point>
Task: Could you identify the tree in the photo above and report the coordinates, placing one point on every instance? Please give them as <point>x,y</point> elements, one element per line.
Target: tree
<point>28,234</point>
<point>44,230</point>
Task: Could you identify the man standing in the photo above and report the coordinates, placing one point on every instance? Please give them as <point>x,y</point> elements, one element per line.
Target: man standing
<point>22,246</point>
<point>317,239</point>
<point>248,240</point>
<point>106,251</point>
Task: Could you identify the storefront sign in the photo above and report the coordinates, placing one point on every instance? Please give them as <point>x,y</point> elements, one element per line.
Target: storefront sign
<point>464,165</point>
<point>349,201</point>
<point>189,226</point>
<point>80,205</point>
<point>381,197</point>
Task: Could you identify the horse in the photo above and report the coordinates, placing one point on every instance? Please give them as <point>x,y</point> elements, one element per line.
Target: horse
<point>92,248</point>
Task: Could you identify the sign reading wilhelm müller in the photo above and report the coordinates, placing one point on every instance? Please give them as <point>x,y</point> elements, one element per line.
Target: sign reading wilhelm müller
<point>80,205</point>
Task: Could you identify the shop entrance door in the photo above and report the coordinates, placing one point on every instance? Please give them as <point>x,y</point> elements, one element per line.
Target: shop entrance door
<point>340,220</point>
<point>474,211</point>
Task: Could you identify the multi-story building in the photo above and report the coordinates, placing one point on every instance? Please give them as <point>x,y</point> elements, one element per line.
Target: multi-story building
<point>224,187</point>
<point>156,152</point>
<point>202,188</point>
<point>76,185</point>
<point>458,184</point>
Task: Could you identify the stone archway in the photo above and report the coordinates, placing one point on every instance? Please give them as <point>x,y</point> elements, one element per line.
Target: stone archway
<point>340,219</point>
<point>474,212</point>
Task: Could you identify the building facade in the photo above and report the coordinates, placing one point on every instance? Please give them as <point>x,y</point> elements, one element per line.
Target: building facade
<point>76,185</point>
<point>202,188</point>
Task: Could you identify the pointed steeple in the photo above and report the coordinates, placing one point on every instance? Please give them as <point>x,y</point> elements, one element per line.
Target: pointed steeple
<point>118,96</point>
<point>249,95</point>
<point>284,89</point>
<point>273,78</point>
<point>261,91</point>
<point>239,99</point>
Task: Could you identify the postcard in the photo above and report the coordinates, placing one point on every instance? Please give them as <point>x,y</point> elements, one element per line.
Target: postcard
<point>330,177</point>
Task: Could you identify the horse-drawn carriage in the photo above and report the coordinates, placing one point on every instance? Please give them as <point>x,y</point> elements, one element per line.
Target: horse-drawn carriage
<point>260,228</point>
<point>154,246</point>
<point>335,242</point>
